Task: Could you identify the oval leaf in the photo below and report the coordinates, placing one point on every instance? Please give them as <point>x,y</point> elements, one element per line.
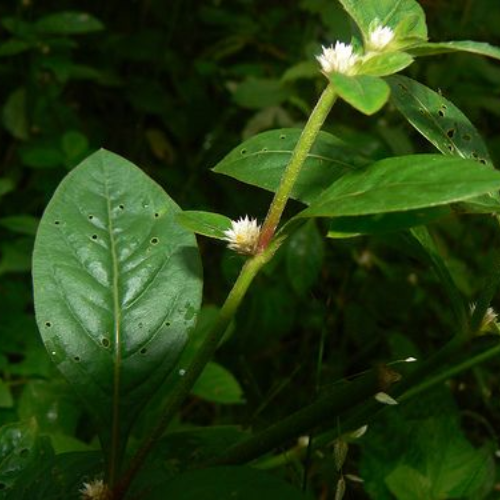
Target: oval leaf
<point>205,223</point>
<point>389,13</point>
<point>117,287</point>
<point>365,93</point>
<point>218,385</point>
<point>261,161</point>
<point>405,183</point>
<point>385,63</point>
<point>437,119</point>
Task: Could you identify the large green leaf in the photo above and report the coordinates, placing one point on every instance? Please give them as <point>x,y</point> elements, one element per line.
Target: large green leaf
<point>365,93</point>
<point>406,14</point>
<point>117,287</point>
<point>226,483</point>
<point>437,119</point>
<point>404,183</point>
<point>261,161</point>
<point>445,126</point>
<point>480,48</point>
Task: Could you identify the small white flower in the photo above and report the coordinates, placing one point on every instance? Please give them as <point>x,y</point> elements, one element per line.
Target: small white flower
<point>338,59</point>
<point>243,236</point>
<point>95,490</point>
<point>380,37</point>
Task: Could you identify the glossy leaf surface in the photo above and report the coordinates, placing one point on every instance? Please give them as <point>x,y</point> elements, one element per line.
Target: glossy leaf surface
<point>347,227</point>
<point>205,223</point>
<point>405,183</point>
<point>261,161</point>
<point>117,286</point>
<point>407,13</point>
<point>479,48</point>
<point>365,93</point>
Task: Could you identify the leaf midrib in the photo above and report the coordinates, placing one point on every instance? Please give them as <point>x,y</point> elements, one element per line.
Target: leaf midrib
<point>116,337</point>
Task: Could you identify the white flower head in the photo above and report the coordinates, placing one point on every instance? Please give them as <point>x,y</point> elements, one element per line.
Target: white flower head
<point>243,236</point>
<point>379,37</point>
<point>338,59</point>
<point>95,490</point>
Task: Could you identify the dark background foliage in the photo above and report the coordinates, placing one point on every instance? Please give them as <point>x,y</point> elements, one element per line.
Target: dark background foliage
<point>173,86</point>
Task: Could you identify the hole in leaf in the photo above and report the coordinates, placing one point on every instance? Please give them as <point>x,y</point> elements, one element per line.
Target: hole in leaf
<point>157,215</point>
<point>466,137</point>
<point>94,236</point>
<point>475,155</point>
<point>421,111</point>
<point>76,359</point>
<point>24,452</point>
<point>441,113</point>
<point>264,150</point>
<point>91,217</point>
<point>167,323</point>
<point>154,241</point>
<point>282,137</point>
<point>243,151</point>
<point>48,324</point>
<point>143,350</point>
<point>450,147</point>
<point>105,342</point>
<point>121,207</point>
<point>57,222</point>
<point>450,133</point>
<point>483,161</point>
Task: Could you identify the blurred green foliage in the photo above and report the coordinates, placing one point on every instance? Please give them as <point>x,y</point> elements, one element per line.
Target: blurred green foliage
<point>173,86</point>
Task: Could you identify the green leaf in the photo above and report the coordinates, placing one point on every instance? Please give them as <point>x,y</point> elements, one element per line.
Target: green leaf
<point>480,48</point>
<point>23,224</point>
<point>407,483</point>
<point>226,483</point>
<point>437,119</point>
<point>15,116</point>
<point>446,127</point>
<point>218,385</point>
<point>60,477</point>
<point>385,63</point>
<point>404,183</point>
<point>391,13</point>
<point>205,223</point>
<point>6,400</point>
<point>74,146</point>
<point>20,450</point>
<point>347,227</point>
<point>365,93</point>
<point>260,93</point>
<point>430,254</point>
<point>6,186</point>
<point>261,161</point>
<point>41,155</point>
<point>13,47</point>
<point>304,257</point>
<point>117,286</point>
<point>68,23</point>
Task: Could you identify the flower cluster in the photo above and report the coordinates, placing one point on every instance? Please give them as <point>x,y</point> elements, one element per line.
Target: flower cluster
<point>342,57</point>
<point>338,59</point>
<point>95,490</point>
<point>243,236</point>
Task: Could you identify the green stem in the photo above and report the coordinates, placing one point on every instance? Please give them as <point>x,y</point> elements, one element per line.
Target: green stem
<point>299,155</point>
<point>203,356</point>
<point>322,411</point>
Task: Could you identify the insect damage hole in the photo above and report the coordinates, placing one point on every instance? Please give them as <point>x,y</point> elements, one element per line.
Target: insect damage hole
<point>57,222</point>
<point>121,206</point>
<point>282,137</point>
<point>154,241</point>
<point>105,342</point>
<point>48,324</point>
<point>450,133</point>
<point>143,350</point>
<point>94,237</point>
<point>76,359</point>
<point>243,151</point>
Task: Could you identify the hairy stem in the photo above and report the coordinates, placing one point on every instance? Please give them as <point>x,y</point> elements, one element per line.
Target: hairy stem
<point>299,155</point>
